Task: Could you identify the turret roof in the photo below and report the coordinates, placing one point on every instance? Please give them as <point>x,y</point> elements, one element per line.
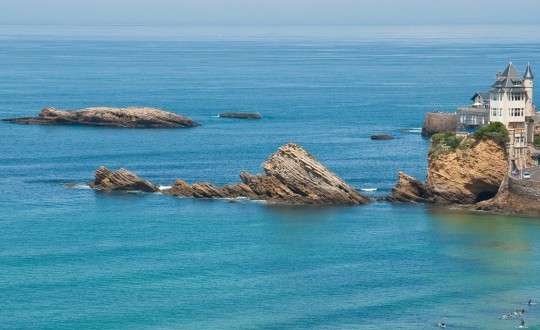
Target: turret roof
<point>528,72</point>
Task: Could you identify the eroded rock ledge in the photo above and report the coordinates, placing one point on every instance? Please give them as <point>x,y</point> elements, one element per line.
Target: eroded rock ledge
<point>120,180</point>
<point>292,176</point>
<point>132,117</point>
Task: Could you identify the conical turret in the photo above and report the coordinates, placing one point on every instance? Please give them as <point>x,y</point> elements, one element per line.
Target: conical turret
<point>528,73</point>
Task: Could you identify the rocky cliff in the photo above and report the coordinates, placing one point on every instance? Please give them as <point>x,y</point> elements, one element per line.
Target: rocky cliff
<point>112,117</point>
<point>292,176</point>
<point>465,176</point>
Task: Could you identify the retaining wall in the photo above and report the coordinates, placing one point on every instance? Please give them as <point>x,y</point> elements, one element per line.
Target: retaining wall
<point>524,188</point>
<point>437,122</point>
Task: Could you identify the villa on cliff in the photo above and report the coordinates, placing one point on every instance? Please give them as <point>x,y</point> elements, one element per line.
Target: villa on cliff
<point>510,101</point>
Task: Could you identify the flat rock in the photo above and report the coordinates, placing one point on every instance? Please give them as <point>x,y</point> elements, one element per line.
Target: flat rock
<point>242,115</point>
<point>132,117</point>
<point>381,137</point>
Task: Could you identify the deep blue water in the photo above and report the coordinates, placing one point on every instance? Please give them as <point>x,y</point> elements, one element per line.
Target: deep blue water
<point>76,258</point>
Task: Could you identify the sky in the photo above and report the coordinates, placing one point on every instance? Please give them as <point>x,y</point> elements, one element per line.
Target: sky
<point>269,12</point>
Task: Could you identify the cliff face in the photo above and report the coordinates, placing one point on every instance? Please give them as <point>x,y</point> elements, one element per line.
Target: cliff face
<point>112,117</point>
<point>467,176</point>
<point>292,177</point>
<point>461,177</point>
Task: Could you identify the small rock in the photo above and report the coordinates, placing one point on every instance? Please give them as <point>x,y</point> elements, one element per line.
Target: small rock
<point>381,137</point>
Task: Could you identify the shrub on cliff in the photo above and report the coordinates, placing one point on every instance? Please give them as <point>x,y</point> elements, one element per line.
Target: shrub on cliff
<point>494,131</point>
<point>444,143</point>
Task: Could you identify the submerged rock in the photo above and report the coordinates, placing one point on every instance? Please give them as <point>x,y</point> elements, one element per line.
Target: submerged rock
<point>292,177</point>
<point>381,137</point>
<point>132,117</point>
<point>120,180</point>
<point>242,115</point>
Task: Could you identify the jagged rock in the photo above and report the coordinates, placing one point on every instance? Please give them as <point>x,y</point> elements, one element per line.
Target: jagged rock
<point>241,115</point>
<point>302,174</point>
<point>292,176</point>
<point>408,190</point>
<point>120,180</point>
<point>112,117</point>
<point>381,137</point>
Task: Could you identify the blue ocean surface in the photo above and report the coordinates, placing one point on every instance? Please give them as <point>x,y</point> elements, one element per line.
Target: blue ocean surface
<point>75,258</point>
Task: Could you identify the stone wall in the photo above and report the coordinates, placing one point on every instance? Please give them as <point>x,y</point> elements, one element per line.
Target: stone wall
<point>524,188</point>
<point>437,122</point>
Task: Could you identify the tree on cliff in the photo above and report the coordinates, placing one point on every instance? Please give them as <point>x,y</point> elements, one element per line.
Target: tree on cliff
<point>495,131</point>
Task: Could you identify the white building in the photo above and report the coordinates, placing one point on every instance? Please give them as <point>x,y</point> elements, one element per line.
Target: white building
<point>511,103</point>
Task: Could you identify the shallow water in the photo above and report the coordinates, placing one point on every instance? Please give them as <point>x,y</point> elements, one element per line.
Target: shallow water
<point>76,258</point>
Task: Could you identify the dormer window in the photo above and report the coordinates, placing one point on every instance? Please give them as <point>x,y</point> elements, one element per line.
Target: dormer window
<point>517,83</point>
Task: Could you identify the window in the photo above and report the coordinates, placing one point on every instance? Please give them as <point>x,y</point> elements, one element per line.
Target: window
<point>517,97</point>
<point>494,111</point>
<point>517,112</point>
<point>494,96</point>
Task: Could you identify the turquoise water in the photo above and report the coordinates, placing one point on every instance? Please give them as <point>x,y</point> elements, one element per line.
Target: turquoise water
<point>76,258</point>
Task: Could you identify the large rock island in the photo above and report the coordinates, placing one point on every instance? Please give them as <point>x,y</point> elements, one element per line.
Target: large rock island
<point>292,176</point>
<point>132,117</point>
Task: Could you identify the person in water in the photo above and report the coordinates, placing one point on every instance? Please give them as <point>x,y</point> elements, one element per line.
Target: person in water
<point>442,325</point>
<point>522,323</point>
<point>530,302</point>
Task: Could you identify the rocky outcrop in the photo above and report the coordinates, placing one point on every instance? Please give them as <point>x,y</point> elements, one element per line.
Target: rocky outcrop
<point>468,175</point>
<point>409,190</point>
<point>292,176</point>
<point>508,202</point>
<point>120,180</point>
<point>438,122</point>
<point>241,115</point>
<point>111,117</point>
<point>464,176</point>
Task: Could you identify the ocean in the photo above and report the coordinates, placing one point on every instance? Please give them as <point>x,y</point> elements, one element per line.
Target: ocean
<point>75,258</point>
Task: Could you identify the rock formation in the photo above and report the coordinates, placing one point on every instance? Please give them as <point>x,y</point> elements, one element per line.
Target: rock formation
<point>292,177</point>
<point>464,176</point>
<point>438,122</point>
<point>409,190</point>
<point>467,175</point>
<point>242,115</point>
<point>381,137</point>
<point>120,180</point>
<point>113,117</point>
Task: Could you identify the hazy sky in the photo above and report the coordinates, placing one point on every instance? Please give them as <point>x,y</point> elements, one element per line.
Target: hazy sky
<point>269,12</point>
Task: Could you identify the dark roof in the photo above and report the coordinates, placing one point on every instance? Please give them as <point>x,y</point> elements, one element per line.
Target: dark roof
<point>509,79</point>
<point>484,96</point>
<point>528,73</point>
